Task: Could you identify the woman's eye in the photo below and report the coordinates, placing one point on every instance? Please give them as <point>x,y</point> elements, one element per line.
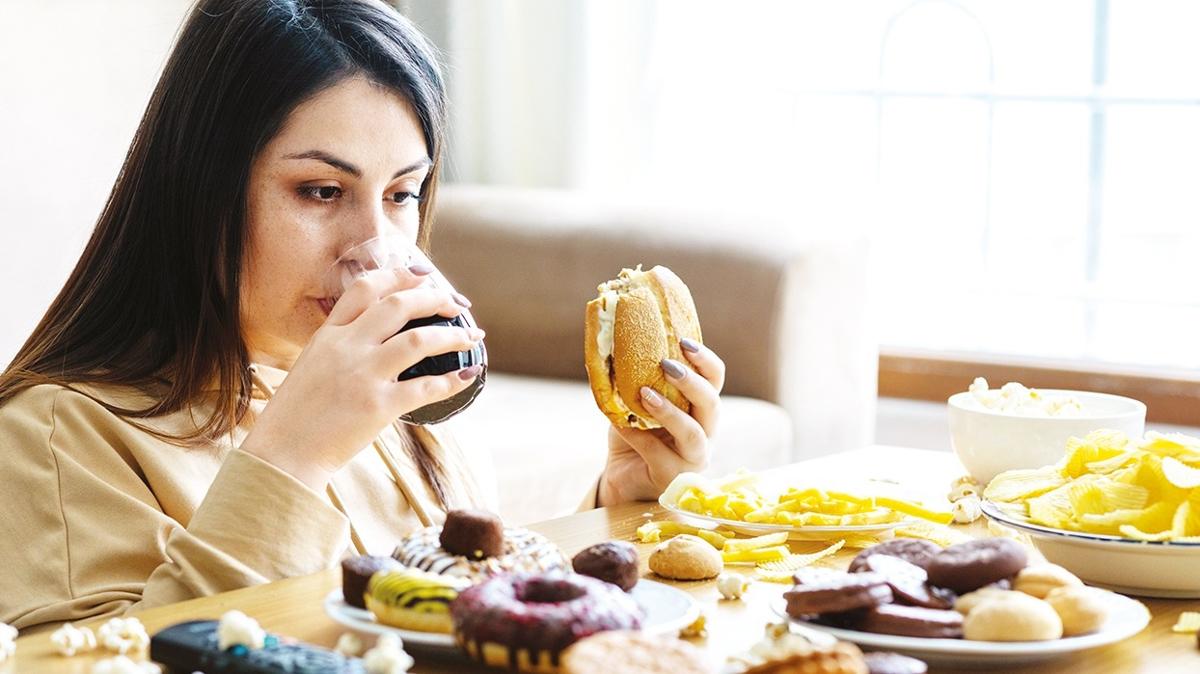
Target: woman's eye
<point>321,192</point>
<point>401,197</point>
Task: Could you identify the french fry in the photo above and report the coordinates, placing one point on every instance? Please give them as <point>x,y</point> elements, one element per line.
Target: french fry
<point>745,544</point>
<point>772,554</point>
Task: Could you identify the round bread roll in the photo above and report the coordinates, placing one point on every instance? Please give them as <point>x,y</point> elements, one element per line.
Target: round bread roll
<point>1038,580</point>
<point>1082,609</point>
<point>1014,617</point>
<point>635,323</point>
<point>686,557</point>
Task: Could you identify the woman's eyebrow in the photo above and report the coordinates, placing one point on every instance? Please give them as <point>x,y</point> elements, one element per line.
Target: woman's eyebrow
<point>347,167</point>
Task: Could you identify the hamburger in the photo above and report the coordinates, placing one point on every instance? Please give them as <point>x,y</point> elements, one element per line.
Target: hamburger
<point>636,322</point>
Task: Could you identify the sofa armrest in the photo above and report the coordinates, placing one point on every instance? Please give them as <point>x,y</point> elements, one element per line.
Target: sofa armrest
<point>786,310</point>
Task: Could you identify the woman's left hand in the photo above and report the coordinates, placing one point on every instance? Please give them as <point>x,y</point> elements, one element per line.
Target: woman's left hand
<point>642,463</point>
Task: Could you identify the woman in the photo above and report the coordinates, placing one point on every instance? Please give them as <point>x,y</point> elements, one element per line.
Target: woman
<point>191,414</point>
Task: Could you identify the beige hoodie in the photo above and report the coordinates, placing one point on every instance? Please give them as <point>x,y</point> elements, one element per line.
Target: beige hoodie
<point>99,518</point>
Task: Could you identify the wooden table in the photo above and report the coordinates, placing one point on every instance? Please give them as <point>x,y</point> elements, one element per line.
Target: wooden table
<point>293,607</point>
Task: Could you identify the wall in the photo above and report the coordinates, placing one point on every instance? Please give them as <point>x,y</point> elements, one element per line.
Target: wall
<point>75,76</point>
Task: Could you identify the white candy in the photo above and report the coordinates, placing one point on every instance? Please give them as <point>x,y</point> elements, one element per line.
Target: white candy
<point>388,656</point>
<point>732,585</point>
<point>123,635</point>
<point>966,510</point>
<point>238,629</point>
<point>124,665</point>
<point>349,645</point>
<point>69,640</point>
<point>8,641</point>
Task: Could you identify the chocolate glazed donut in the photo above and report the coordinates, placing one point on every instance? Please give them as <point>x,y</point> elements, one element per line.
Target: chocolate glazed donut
<point>525,621</point>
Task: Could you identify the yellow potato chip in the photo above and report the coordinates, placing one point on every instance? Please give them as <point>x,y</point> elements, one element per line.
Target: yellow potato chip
<point>1188,623</point>
<point>781,571</point>
<point>1180,474</point>
<point>1016,485</point>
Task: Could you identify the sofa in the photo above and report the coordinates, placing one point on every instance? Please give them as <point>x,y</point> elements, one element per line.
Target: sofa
<point>785,307</point>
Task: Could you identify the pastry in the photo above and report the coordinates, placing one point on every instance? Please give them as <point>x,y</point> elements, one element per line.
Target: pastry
<point>412,599</point>
<point>838,594</point>
<point>615,562</point>
<point>525,621</point>
<point>686,557</point>
<point>1081,609</point>
<point>474,534</point>
<point>912,621</point>
<point>524,551</point>
<point>1037,580</point>
<point>912,550</point>
<point>881,662</point>
<point>627,652</point>
<point>970,600</point>
<point>908,582</point>
<point>636,323</point>
<point>802,657</point>
<point>1015,616</point>
<point>969,566</point>
<point>357,571</point>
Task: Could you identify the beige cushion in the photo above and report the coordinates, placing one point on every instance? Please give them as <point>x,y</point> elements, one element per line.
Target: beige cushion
<point>551,429</point>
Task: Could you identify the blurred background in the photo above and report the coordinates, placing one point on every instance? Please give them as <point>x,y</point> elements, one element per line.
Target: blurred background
<point>1022,173</point>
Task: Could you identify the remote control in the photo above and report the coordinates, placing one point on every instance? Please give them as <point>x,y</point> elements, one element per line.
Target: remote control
<point>193,647</point>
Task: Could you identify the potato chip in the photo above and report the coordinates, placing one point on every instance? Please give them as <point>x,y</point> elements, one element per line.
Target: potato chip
<point>1180,474</point>
<point>1016,485</point>
<point>781,571</point>
<point>1188,623</point>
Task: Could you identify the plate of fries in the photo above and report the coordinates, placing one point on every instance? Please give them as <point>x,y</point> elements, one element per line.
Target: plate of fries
<point>741,503</point>
<point>1119,512</point>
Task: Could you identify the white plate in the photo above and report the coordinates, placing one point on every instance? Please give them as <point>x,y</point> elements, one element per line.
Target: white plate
<point>667,610</point>
<point>1143,568</point>
<point>1127,618</point>
<point>798,533</point>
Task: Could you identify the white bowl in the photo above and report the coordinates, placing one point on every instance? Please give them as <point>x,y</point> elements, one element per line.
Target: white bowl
<point>989,443</point>
<point>1142,568</point>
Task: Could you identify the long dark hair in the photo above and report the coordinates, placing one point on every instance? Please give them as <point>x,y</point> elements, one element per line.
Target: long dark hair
<point>153,302</point>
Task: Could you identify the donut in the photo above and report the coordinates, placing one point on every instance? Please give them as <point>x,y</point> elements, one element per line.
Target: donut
<point>525,621</point>
<point>912,550</point>
<point>615,562</point>
<point>356,571</point>
<point>474,534</point>
<point>412,599</point>
<point>969,566</point>
<point>629,652</point>
<point>838,594</point>
<point>524,551</point>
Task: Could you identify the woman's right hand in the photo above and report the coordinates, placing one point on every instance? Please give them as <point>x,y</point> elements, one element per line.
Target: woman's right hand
<point>342,390</point>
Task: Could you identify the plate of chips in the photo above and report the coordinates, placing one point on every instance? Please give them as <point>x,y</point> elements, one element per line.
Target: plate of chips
<point>743,504</point>
<point>1117,511</point>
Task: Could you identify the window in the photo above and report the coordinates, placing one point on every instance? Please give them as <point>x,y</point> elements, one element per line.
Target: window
<point>1027,169</point>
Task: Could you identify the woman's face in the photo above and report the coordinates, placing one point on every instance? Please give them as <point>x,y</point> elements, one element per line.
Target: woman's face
<point>347,166</point>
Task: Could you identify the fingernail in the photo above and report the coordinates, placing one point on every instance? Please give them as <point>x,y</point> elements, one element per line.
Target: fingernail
<point>475,334</point>
<point>469,373</point>
<point>650,398</point>
<point>420,269</point>
<point>689,345</point>
<point>460,300</point>
<point>673,369</point>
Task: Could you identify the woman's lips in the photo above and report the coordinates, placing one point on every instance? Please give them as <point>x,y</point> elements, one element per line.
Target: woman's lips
<point>326,304</point>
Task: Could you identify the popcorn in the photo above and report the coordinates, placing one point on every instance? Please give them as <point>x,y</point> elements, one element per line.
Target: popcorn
<point>124,665</point>
<point>69,640</point>
<point>349,645</point>
<point>732,585</point>
<point>124,635</point>
<point>388,656</point>
<point>963,487</point>
<point>238,629</point>
<point>8,641</point>
<point>967,510</point>
<point>1017,400</point>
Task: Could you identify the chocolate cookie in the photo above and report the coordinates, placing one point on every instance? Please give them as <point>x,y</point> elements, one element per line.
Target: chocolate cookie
<point>969,566</point>
<point>909,582</point>
<point>893,663</point>
<point>357,571</point>
<point>912,550</point>
<point>912,621</point>
<point>474,534</point>
<point>846,592</point>
<point>614,562</point>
